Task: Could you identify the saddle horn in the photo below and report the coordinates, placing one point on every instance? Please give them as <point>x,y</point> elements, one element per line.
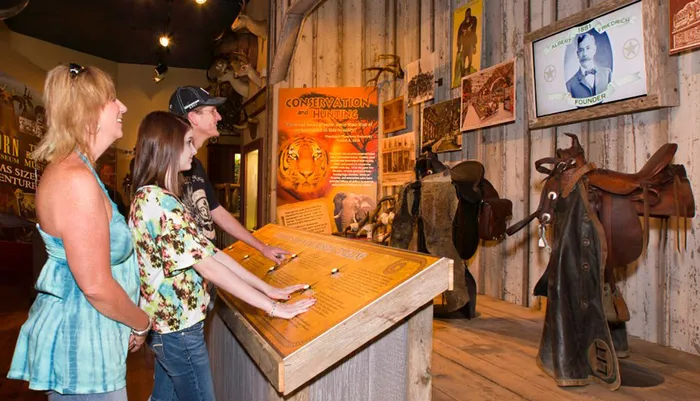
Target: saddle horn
<point>574,141</point>
<point>428,163</point>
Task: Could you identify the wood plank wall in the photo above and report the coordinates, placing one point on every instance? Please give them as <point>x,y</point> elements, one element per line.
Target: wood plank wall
<point>343,36</point>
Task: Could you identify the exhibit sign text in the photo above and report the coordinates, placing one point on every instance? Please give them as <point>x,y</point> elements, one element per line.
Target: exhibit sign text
<point>327,150</point>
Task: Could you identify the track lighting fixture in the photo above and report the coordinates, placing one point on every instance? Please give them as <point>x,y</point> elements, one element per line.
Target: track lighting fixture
<point>160,71</point>
<point>164,40</point>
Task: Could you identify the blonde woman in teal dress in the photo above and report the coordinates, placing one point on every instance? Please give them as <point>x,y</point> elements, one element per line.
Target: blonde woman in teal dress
<point>75,342</point>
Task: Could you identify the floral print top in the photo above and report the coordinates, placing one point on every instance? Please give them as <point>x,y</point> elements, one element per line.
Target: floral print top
<point>168,245</point>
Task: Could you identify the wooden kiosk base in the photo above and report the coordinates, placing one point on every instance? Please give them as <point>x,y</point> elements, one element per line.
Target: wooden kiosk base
<point>368,337</point>
<point>393,367</point>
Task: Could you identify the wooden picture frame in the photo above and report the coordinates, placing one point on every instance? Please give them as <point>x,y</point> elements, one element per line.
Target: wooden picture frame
<point>394,115</point>
<point>490,95</point>
<point>682,18</point>
<point>661,74</point>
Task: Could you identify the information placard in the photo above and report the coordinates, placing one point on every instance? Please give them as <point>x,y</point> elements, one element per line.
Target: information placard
<point>344,277</point>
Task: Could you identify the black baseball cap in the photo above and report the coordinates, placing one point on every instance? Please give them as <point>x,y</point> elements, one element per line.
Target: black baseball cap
<point>188,98</point>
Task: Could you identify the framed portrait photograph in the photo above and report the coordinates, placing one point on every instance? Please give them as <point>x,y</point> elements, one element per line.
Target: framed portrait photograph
<point>601,62</point>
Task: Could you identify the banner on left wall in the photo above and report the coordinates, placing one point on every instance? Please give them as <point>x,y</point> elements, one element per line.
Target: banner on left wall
<point>22,124</point>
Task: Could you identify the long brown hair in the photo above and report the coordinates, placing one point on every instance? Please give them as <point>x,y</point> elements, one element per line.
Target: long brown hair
<point>73,101</point>
<point>159,145</point>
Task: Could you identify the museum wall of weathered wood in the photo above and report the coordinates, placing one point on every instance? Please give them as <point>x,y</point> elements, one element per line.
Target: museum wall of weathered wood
<point>343,36</point>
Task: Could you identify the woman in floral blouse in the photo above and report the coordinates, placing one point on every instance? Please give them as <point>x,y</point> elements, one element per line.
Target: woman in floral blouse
<point>175,259</point>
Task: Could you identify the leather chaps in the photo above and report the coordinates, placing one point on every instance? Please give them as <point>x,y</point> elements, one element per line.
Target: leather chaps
<point>577,346</point>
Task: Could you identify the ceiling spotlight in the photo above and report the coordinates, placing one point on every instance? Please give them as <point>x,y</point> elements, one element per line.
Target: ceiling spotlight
<point>164,41</point>
<point>200,1</point>
<point>160,71</point>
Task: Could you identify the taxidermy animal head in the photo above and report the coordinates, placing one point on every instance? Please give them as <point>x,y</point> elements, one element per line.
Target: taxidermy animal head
<point>244,22</point>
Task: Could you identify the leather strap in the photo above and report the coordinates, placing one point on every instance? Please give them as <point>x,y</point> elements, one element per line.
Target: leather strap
<point>645,238</point>
<point>575,177</point>
<point>676,204</point>
<point>554,183</point>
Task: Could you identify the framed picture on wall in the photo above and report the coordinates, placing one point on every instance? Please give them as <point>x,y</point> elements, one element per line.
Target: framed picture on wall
<point>601,62</point>
<point>488,97</point>
<point>684,25</point>
<point>441,126</point>
<point>467,40</point>
<point>393,115</point>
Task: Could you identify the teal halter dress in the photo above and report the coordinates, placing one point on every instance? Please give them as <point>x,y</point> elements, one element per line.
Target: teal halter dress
<point>66,345</point>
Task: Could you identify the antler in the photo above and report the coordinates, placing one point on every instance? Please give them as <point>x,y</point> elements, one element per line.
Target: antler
<point>393,67</point>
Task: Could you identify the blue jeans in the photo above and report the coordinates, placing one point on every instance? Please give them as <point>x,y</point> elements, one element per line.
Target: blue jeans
<point>117,395</point>
<point>182,371</point>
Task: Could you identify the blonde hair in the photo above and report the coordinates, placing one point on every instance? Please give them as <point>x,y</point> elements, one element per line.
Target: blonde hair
<point>73,101</point>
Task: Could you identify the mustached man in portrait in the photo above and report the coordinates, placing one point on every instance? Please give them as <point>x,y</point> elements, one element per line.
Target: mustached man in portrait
<point>590,79</point>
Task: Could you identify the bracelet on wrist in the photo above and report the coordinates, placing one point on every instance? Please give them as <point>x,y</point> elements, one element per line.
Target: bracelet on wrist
<point>141,333</point>
<point>271,313</point>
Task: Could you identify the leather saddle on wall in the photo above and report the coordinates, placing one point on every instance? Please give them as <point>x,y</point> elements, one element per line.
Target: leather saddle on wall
<point>450,203</point>
<point>595,213</point>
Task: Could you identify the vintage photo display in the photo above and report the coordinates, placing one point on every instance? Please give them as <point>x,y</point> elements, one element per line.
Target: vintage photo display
<point>598,61</point>
<point>441,126</point>
<point>421,80</point>
<point>467,25</point>
<point>488,97</point>
<point>393,115</point>
<point>398,159</point>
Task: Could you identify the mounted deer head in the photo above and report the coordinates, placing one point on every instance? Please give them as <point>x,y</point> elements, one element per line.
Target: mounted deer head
<point>239,61</point>
<point>14,10</point>
<point>217,69</point>
<point>243,21</point>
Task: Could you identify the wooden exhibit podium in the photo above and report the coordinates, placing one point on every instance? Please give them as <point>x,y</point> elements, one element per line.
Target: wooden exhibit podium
<point>367,338</point>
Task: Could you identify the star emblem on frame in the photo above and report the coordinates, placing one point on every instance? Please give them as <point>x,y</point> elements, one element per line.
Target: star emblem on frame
<point>630,49</point>
<point>550,72</point>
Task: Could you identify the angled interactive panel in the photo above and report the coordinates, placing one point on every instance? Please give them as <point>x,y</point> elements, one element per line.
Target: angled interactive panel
<point>361,290</point>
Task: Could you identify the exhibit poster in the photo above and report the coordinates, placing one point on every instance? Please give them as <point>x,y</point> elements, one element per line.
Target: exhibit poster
<point>393,115</point>
<point>421,80</point>
<point>488,97</point>
<point>398,159</point>
<point>441,126</point>
<point>467,25</point>
<point>309,216</point>
<point>344,277</point>
<point>22,124</point>
<point>599,61</point>
<point>327,149</point>
<point>684,25</point>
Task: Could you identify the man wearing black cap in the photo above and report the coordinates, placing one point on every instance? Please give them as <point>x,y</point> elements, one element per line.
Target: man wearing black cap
<point>195,104</point>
